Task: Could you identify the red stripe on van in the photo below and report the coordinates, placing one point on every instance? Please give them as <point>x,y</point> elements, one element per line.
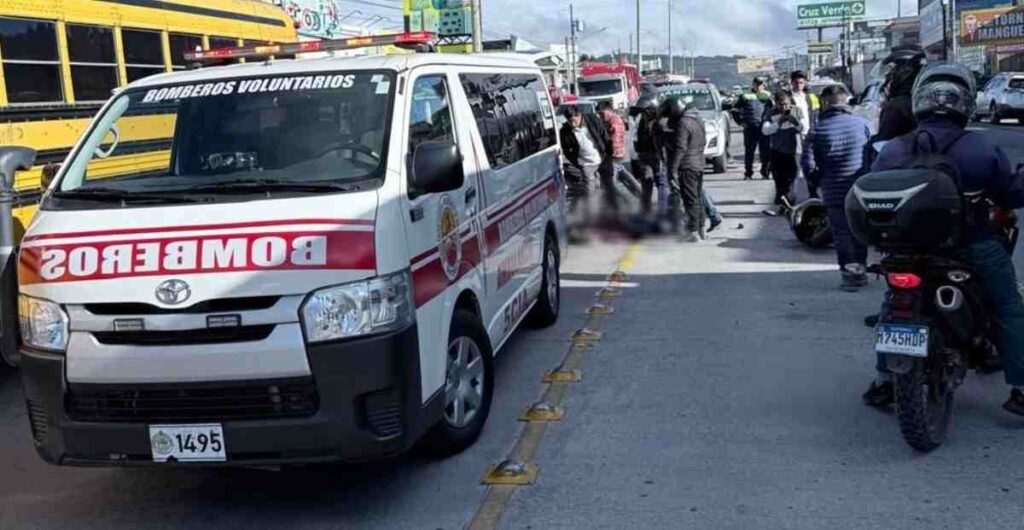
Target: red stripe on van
<point>193,228</point>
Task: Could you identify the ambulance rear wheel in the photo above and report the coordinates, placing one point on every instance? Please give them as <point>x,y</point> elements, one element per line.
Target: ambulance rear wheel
<point>468,387</point>
<point>545,311</point>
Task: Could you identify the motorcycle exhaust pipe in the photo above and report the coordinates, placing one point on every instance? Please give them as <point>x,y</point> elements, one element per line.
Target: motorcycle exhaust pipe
<point>955,312</point>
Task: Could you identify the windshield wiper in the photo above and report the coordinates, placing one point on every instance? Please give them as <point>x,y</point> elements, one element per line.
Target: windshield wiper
<point>269,185</point>
<point>122,196</point>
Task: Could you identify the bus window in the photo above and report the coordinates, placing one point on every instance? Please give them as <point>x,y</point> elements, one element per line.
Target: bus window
<point>182,44</point>
<point>93,61</point>
<point>222,42</point>
<point>31,65</point>
<point>143,55</point>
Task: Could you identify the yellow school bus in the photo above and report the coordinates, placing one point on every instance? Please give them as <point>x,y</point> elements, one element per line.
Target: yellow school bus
<point>60,59</point>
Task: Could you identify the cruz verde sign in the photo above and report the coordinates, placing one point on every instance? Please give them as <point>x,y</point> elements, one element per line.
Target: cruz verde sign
<point>829,14</point>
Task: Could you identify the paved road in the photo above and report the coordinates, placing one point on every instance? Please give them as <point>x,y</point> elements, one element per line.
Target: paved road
<point>724,394</point>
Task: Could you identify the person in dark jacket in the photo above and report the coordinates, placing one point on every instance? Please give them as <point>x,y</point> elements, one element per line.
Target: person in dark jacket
<point>752,107</point>
<point>943,101</point>
<point>784,126</point>
<point>897,116</point>
<point>587,151</point>
<point>834,150</point>
<point>684,141</point>
<point>648,164</point>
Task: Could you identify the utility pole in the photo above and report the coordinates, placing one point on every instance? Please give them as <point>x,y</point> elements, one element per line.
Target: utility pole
<point>572,47</point>
<point>899,8</point>
<point>478,27</point>
<point>639,42</point>
<point>670,70</point>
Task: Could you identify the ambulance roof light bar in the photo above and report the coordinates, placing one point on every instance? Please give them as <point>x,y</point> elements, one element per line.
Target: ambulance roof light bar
<point>412,40</point>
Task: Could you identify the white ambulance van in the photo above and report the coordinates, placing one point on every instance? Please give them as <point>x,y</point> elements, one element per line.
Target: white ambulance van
<point>322,267</point>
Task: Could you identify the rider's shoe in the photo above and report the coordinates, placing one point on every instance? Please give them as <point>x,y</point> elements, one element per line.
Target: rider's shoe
<point>714,224</point>
<point>1015,404</point>
<point>871,320</point>
<point>880,395</point>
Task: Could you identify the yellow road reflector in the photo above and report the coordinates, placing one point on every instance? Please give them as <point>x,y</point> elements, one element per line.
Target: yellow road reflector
<point>609,292</point>
<point>585,336</point>
<point>511,473</point>
<point>563,376</point>
<point>600,309</point>
<point>542,411</point>
<point>617,276</point>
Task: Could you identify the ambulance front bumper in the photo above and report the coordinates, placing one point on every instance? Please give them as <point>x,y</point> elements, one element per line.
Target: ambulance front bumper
<point>362,402</point>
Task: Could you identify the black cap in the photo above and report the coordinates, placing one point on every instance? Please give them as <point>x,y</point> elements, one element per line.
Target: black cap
<point>758,80</point>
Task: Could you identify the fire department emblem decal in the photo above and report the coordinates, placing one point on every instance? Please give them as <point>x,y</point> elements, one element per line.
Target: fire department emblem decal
<point>448,235</point>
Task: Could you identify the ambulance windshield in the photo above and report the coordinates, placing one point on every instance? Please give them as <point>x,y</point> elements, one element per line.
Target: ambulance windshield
<point>235,139</point>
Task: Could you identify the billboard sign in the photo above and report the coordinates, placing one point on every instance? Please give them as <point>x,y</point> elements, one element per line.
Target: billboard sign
<point>1000,25</point>
<point>819,48</point>
<point>829,14</point>
<point>318,19</point>
<point>755,64</point>
<point>931,23</point>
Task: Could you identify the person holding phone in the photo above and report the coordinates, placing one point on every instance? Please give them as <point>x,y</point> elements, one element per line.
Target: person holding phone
<point>784,126</point>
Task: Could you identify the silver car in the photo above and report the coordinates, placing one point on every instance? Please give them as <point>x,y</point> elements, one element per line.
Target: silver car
<point>707,101</point>
<point>1002,97</point>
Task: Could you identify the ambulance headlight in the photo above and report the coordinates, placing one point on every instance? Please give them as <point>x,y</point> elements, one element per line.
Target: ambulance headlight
<point>376,306</point>
<point>44,324</point>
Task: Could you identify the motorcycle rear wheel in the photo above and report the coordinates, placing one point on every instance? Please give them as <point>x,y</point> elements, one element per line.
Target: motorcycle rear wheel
<point>924,401</point>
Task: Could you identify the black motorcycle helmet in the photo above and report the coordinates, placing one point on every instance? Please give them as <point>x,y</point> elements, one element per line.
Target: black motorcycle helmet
<point>645,105</point>
<point>946,89</point>
<point>673,108</point>
<point>901,68</point>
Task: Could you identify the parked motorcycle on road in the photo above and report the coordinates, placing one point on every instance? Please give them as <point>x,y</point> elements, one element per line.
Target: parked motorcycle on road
<point>934,325</point>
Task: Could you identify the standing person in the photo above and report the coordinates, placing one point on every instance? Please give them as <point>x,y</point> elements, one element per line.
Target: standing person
<point>752,108</point>
<point>616,130</point>
<point>784,126</point>
<point>648,164</point>
<point>835,150</point>
<point>943,101</point>
<point>585,146</point>
<point>902,66</point>
<point>684,153</point>
<point>810,106</point>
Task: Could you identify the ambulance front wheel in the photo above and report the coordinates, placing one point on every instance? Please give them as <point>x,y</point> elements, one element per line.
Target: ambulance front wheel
<point>545,311</point>
<point>468,387</point>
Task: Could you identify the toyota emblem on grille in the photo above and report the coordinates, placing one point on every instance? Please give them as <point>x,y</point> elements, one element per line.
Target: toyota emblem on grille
<point>173,292</point>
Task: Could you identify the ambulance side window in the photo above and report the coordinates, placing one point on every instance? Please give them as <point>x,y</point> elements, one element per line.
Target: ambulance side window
<point>431,117</point>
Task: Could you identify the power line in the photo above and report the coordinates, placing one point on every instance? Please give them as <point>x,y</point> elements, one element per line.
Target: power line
<point>385,6</point>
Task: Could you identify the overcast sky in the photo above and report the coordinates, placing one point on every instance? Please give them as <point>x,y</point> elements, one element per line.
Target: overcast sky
<point>707,27</point>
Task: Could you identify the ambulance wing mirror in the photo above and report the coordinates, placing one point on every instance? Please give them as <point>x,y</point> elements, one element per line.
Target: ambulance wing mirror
<point>12,159</point>
<point>437,167</point>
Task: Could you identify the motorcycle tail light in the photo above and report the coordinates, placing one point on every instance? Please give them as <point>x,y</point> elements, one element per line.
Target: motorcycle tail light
<point>903,280</point>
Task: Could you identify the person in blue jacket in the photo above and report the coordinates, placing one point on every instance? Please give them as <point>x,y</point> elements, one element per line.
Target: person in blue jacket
<point>834,150</point>
<point>943,101</point>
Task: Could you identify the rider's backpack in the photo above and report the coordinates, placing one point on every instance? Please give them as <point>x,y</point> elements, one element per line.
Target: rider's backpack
<point>916,207</point>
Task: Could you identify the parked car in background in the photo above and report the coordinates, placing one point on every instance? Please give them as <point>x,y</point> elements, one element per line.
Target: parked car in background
<point>1002,97</point>
<point>707,101</point>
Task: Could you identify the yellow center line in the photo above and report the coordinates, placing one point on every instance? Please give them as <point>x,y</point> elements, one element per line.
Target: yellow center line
<point>498,495</point>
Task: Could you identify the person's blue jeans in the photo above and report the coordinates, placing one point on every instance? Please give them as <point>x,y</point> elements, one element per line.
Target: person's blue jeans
<point>848,249</point>
<point>710,210</point>
<point>993,267</point>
